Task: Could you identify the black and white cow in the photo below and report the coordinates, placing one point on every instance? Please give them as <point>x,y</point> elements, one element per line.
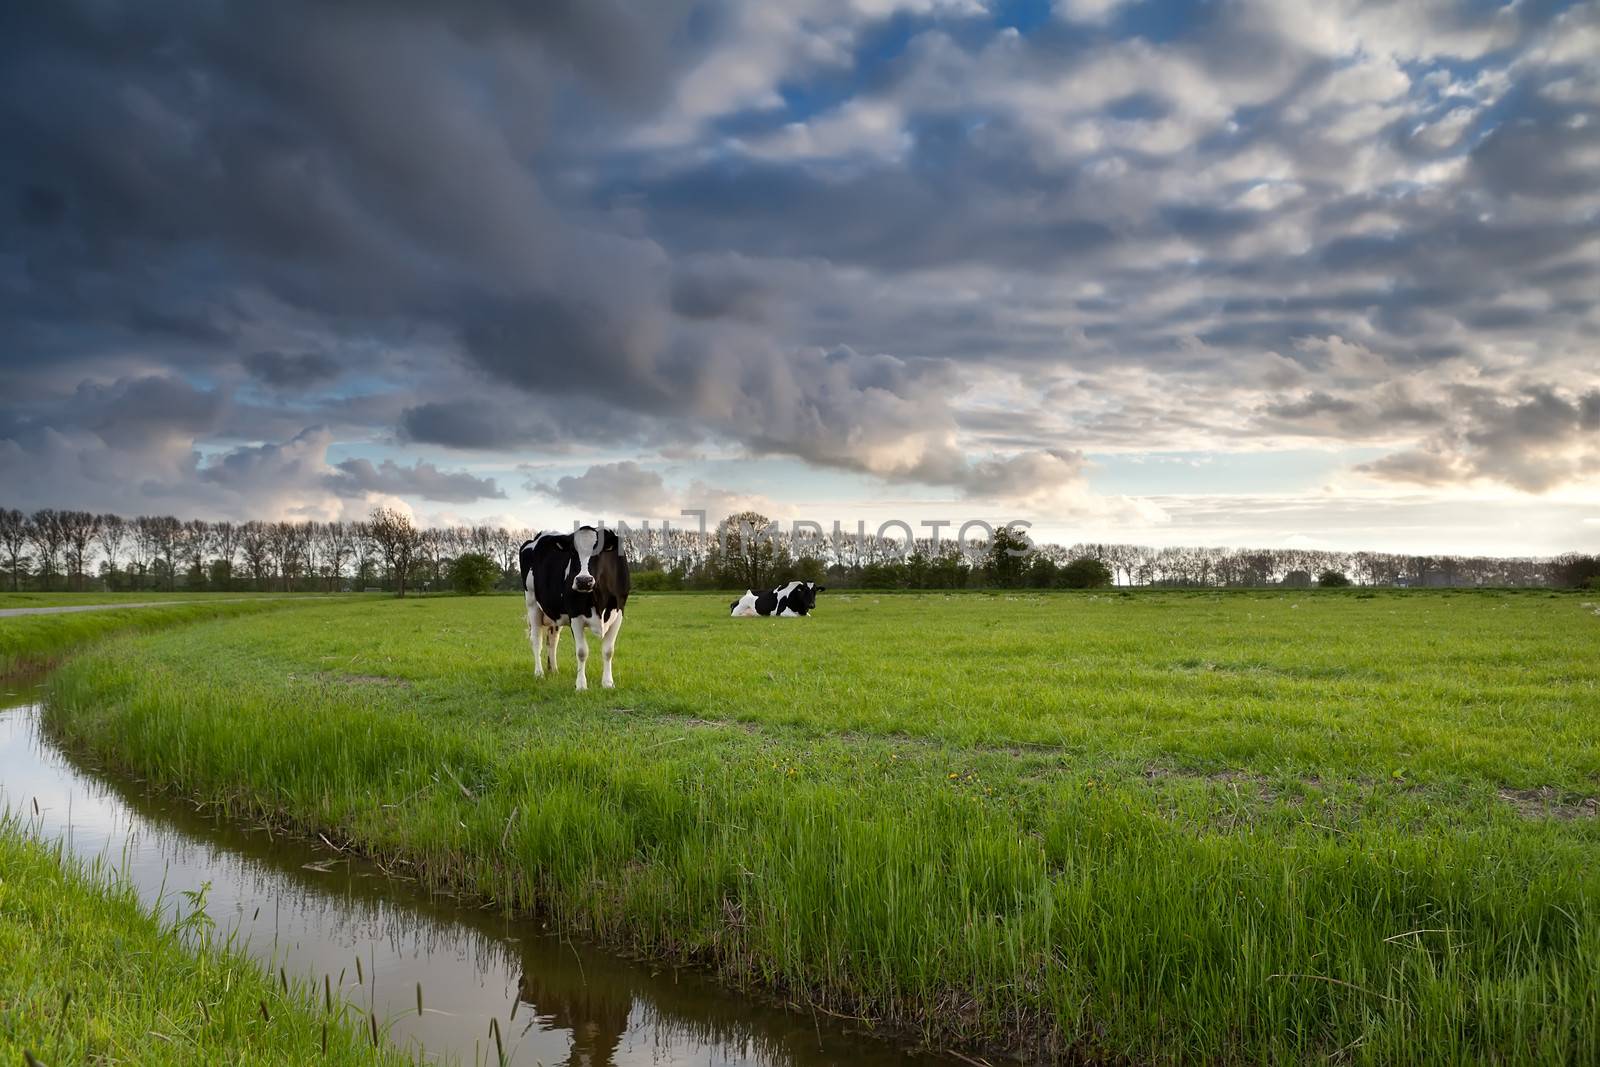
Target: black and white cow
<point>793,599</point>
<point>580,580</point>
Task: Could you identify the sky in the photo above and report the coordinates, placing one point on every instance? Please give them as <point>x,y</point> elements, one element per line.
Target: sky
<point>1305,273</point>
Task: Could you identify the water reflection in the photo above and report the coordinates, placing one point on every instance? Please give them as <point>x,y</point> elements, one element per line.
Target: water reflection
<point>316,913</point>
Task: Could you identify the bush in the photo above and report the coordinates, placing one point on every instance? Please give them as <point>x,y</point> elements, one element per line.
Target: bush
<point>1332,580</point>
<point>473,573</point>
<point>1085,572</point>
<point>1042,573</point>
<point>654,580</point>
<point>1594,584</point>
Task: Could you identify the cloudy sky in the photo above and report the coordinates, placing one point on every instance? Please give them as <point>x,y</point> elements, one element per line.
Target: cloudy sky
<point>1305,272</point>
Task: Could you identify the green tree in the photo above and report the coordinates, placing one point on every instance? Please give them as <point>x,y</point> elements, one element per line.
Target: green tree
<point>1332,579</point>
<point>1085,572</point>
<point>473,573</point>
<point>1007,554</point>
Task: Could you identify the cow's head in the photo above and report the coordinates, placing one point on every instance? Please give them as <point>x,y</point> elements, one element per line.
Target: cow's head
<point>804,597</point>
<point>587,545</point>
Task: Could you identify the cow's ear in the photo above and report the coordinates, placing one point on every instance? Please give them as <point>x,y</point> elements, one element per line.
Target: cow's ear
<point>820,589</point>
<point>609,542</point>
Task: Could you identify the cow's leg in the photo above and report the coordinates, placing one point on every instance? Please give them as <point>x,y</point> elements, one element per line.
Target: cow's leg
<point>536,635</point>
<point>551,642</point>
<point>608,645</point>
<point>582,641</point>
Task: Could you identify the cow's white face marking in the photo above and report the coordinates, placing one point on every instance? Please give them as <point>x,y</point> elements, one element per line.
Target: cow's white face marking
<point>584,542</point>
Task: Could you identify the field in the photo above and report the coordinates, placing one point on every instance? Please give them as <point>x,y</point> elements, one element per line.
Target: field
<point>92,977</point>
<point>1335,826</point>
<point>61,600</point>
<point>31,642</point>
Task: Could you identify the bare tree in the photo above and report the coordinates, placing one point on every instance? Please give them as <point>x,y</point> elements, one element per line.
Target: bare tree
<point>256,549</point>
<point>336,549</point>
<point>431,549</point>
<point>483,540</point>
<point>194,540</point>
<point>310,550</point>
<point>165,532</point>
<point>748,552</point>
<point>15,538</point>
<point>47,534</point>
<point>398,539</point>
<point>142,547</point>
<point>506,544</point>
<point>78,530</point>
<point>225,548</point>
<point>283,542</point>
<point>113,534</point>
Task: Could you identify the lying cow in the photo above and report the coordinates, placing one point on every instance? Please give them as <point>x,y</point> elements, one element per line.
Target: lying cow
<point>580,580</point>
<point>794,599</point>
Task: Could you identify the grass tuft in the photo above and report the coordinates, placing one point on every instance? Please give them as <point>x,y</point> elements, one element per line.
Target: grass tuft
<point>91,976</point>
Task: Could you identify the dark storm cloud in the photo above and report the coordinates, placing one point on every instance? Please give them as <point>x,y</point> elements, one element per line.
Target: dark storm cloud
<point>896,220</point>
<point>130,413</point>
<point>359,477</point>
<point>256,470</point>
<point>322,196</point>
<point>623,488</point>
<point>292,371</point>
<point>714,294</point>
<point>470,424</point>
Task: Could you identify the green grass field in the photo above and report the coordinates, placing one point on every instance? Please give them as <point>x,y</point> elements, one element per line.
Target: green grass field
<point>57,600</point>
<point>1349,827</point>
<point>90,976</point>
<point>31,642</point>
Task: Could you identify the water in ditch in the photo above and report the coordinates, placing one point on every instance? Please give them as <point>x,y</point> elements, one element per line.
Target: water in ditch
<point>316,912</point>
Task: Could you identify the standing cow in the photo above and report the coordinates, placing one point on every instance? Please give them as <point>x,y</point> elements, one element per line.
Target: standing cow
<point>793,599</point>
<point>579,579</point>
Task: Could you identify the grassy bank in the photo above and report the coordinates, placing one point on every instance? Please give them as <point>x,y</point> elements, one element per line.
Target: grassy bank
<point>62,600</point>
<point>1243,828</point>
<point>30,642</point>
<point>90,976</point>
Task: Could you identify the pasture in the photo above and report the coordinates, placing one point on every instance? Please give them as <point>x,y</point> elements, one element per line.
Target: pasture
<point>10,600</point>
<point>1345,826</point>
<point>32,642</point>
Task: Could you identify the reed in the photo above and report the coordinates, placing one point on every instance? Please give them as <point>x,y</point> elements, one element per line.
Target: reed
<point>91,976</point>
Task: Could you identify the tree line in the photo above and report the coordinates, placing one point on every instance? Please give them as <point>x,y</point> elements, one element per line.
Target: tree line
<point>53,549</point>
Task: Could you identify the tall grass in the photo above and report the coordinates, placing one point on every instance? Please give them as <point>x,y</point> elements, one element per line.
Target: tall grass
<point>90,976</point>
<point>1233,829</point>
<point>30,642</point>
<point>68,599</point>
